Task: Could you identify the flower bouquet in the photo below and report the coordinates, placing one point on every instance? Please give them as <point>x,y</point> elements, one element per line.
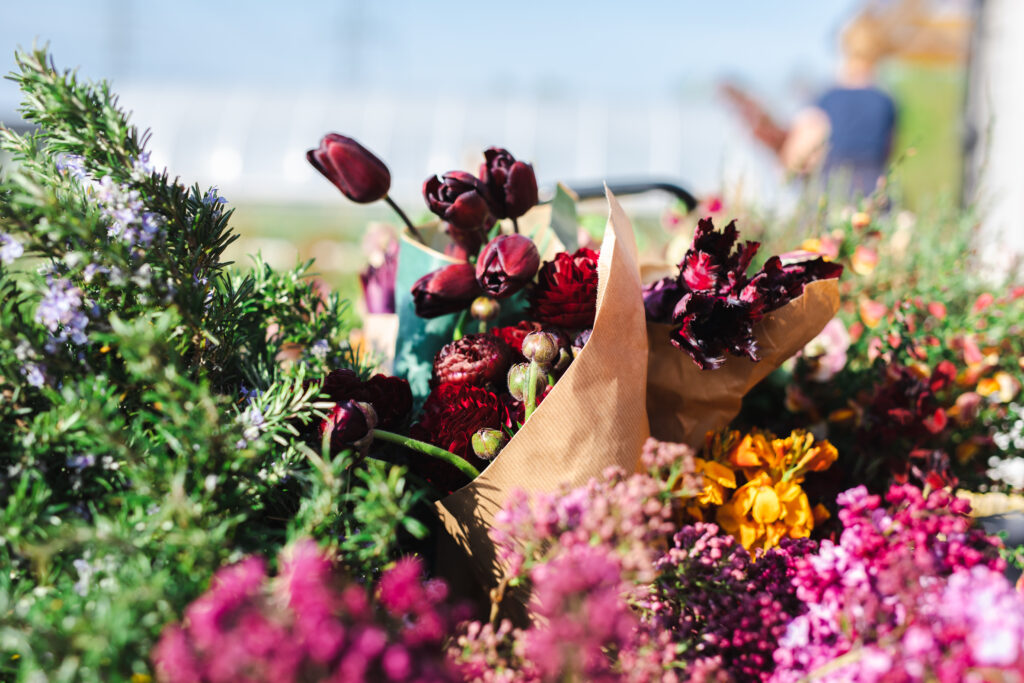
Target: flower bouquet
<point>733,329</point>
<point>576,318</point>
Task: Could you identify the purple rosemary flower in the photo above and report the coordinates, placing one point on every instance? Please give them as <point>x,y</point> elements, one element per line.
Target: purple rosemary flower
<point>10,248</point>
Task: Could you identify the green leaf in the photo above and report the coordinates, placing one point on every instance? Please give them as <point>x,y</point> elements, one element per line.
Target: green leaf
<point>564,220</point>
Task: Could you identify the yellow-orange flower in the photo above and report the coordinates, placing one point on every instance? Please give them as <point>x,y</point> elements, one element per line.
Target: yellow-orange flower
<point>1003,385</point>
<point>762,512</point>
<point>717,478</point>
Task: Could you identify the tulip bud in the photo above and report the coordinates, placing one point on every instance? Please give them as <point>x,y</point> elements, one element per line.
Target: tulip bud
<point>350,425</point>
<point>484,308</point>
<point>446,290</point>
<point>511,185</point>
<point>459,198</point>
<point>540,347</point>
<point>353,169</point>
<point>487,443</point>
<point>518,378</point>
<point>506,264</point>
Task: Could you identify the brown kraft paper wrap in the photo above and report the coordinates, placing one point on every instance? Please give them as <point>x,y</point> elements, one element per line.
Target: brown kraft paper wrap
<point>593,418</point>
<point>685,402</point>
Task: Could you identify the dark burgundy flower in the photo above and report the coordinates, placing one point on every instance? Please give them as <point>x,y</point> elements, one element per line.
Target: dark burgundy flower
<point>778,284</point>
<point>506,264</point>
<point>661,297</point>
<point>714,306</point>
<point>477,359</point>
<point>566,291</point>
<point>459,198</point>
<point>353,169</point>
<point>445,290</point>
<point>708,326</point>
<point>452,413</point>
<point>511,184</point>
<point>350,425</point>
<point>390,397</point>
<point>378,282</point>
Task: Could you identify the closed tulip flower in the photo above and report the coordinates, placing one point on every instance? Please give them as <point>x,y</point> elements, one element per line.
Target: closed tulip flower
<point>511,185</point>
<point>506,264</point>
<point>459,198</point>
<point>353,169</point>
<point>445,290</point>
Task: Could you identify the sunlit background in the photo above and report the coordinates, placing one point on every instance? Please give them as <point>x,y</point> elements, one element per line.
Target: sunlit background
<point>235,93</point>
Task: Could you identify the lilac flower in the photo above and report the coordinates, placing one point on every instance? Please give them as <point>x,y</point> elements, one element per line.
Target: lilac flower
<point>60,311</point>
<point>85,571</point>
<point>73,165</point>
<point>33,374</point>
<point>212,199</point>
<point>253,422</point>
<point>10,248</point>
<point>141,167</point>
<point>320,349</point>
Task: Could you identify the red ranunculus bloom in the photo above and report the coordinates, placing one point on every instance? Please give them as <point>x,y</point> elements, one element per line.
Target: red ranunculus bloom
<point>566,291</point>
<point>513,334</point>
<point>452,412</point>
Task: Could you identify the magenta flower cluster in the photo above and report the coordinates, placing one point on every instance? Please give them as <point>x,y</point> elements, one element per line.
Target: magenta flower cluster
<point>305,625</point>
<point>907,594</point>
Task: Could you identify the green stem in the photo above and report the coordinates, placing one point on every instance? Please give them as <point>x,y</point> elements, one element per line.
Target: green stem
<point>428,449</point>
<point>482,327</point>
<point>531,389</point>
<point>405,219</point>
<point>459,324</point>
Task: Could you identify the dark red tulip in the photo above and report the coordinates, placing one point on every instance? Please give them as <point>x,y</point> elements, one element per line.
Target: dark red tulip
<point>360,175</point>
<point>446,290</point>
<point>459,198</point>
<point>506,264</point>
<point>511,185</point>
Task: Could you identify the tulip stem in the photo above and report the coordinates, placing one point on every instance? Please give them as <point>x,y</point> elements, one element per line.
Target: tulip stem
<point>515,225</point>
<point>428,449</point>
<point>408,223</point>
<point>531,390</point>
<point>459,324</point>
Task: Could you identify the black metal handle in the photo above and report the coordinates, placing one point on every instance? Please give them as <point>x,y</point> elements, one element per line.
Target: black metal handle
<point>593,191</point>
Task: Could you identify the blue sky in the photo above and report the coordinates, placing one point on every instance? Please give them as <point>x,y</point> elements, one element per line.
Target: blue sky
<point>596,48</point>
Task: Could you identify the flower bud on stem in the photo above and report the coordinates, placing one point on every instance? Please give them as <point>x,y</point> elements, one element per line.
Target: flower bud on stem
<point>531,389</point>
<point>428,449</point>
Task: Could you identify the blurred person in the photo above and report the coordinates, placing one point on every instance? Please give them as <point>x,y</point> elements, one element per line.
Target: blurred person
<point>847,134</point>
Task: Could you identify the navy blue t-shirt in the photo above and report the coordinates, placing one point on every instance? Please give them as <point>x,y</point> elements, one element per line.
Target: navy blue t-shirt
<point>862,122</point>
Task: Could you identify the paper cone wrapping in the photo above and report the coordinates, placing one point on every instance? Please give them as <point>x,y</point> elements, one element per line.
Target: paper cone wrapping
<point>685,402</point>
<point>593,418</point>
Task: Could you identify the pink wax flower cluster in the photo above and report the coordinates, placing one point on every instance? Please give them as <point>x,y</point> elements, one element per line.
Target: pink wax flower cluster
<point>306,625</point>
<point>589,554</point>
<point>907,594</point>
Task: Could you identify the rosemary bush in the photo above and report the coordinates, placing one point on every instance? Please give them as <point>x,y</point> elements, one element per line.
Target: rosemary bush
<point>149,432</point>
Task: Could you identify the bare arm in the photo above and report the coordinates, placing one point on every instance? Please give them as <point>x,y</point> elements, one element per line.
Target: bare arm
<point>804,148</point>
